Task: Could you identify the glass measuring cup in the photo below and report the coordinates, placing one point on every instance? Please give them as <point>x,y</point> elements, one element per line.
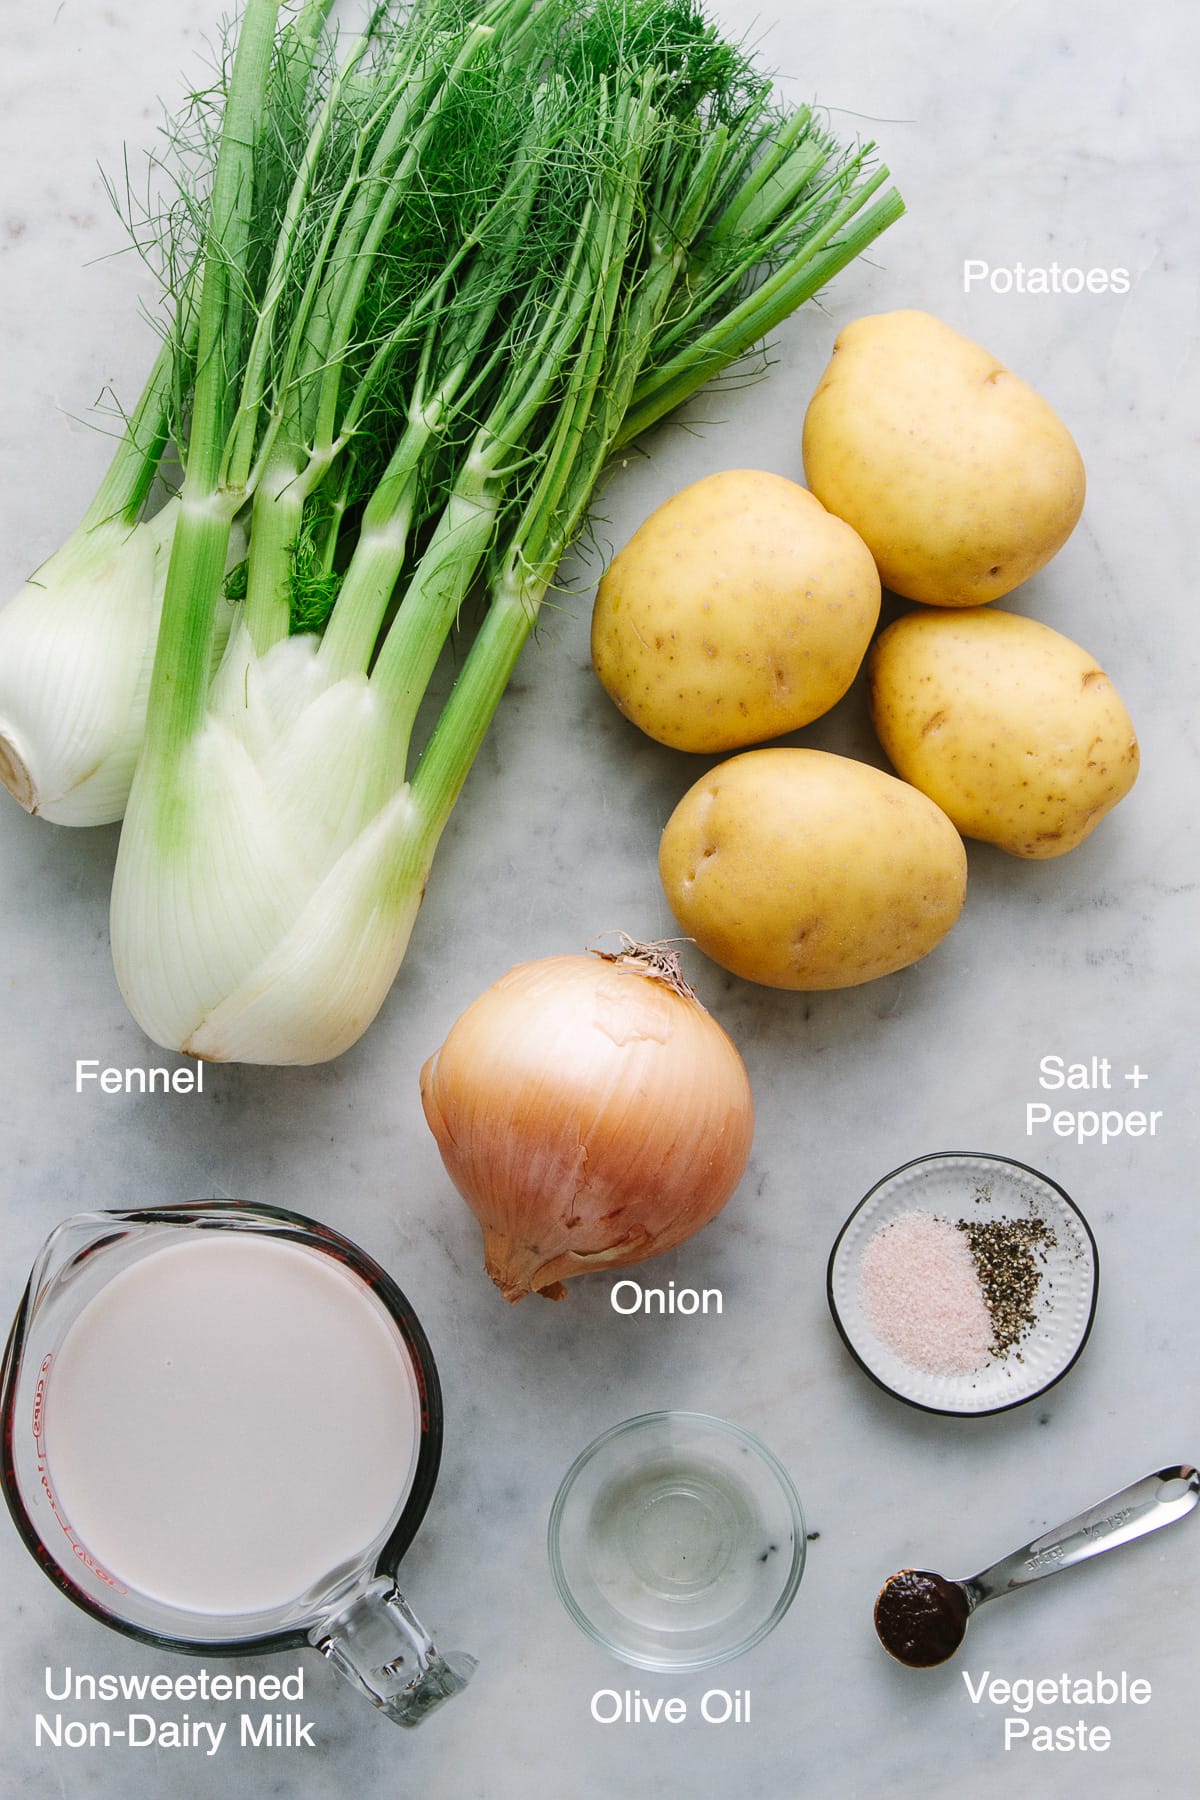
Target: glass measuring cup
<point>68,1451</point>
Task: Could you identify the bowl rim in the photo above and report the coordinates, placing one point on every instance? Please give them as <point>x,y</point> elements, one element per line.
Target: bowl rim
<point>985,1156</point>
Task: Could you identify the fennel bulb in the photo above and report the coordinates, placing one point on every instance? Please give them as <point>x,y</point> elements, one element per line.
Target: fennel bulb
<point>76,649</point>
<point>265,891</point>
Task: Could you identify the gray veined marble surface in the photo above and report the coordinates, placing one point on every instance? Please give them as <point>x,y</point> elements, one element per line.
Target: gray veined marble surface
<point>1019,133</point>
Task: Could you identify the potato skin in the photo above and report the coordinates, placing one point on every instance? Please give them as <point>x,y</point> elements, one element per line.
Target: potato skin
<point>800,869</point>
<point>739,610</point>
<point>1009,726</point>
<point>961,479</point>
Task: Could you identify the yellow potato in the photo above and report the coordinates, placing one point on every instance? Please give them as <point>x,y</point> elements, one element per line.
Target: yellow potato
<point>740,610</point>
<point>800,869</point>
<point>960,478</point>
<point>1009,726</point>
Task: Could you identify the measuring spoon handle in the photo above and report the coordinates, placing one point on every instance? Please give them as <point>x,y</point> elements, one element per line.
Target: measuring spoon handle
<point>1156,1500</point>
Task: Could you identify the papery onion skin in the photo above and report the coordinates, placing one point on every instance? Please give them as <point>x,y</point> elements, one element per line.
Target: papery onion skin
<point>591,1115</point>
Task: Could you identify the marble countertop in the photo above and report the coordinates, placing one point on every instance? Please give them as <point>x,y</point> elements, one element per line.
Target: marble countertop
<point>1018,134</point>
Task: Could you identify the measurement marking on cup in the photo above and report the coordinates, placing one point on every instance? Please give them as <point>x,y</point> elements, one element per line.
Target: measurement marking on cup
<point>39,1444</point>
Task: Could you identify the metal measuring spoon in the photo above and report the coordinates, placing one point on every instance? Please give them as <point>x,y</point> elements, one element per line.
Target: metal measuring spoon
<point>921,1618</point>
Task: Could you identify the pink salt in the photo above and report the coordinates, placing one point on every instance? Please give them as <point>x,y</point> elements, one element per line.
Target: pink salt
<point>922,1295</point>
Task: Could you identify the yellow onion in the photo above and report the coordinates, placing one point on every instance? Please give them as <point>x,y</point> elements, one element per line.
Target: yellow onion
<point>591,1114</point>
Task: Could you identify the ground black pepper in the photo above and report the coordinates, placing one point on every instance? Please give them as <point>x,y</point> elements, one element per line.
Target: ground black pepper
<point>1006,1254</point>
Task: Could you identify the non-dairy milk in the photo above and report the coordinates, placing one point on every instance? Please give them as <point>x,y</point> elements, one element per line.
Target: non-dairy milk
<point>229,1421</point>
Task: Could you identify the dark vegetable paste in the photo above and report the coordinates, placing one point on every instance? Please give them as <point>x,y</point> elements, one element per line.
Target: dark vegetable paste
<point>921,1618</point>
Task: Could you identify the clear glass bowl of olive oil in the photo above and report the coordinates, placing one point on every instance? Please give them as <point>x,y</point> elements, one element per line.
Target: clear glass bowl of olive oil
<point>676,1541</point>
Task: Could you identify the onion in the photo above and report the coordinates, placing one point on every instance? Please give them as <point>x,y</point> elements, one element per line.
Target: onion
<point>591,1114</point>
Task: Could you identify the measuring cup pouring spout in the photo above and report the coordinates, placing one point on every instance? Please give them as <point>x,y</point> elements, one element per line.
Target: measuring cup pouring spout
<point>62,1261</point>
<point>160,1356</point>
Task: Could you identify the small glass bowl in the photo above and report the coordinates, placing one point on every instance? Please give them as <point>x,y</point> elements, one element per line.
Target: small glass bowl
<point>676,1541</point>
<point>954,1185</point>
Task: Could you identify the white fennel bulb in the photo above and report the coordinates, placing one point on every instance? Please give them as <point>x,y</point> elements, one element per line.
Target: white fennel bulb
<point>268,878</point>
<point>76,650</point>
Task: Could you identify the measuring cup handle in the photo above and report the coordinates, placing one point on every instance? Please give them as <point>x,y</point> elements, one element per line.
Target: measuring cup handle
<point>377,1642</point>
<point>1156,1500</point>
